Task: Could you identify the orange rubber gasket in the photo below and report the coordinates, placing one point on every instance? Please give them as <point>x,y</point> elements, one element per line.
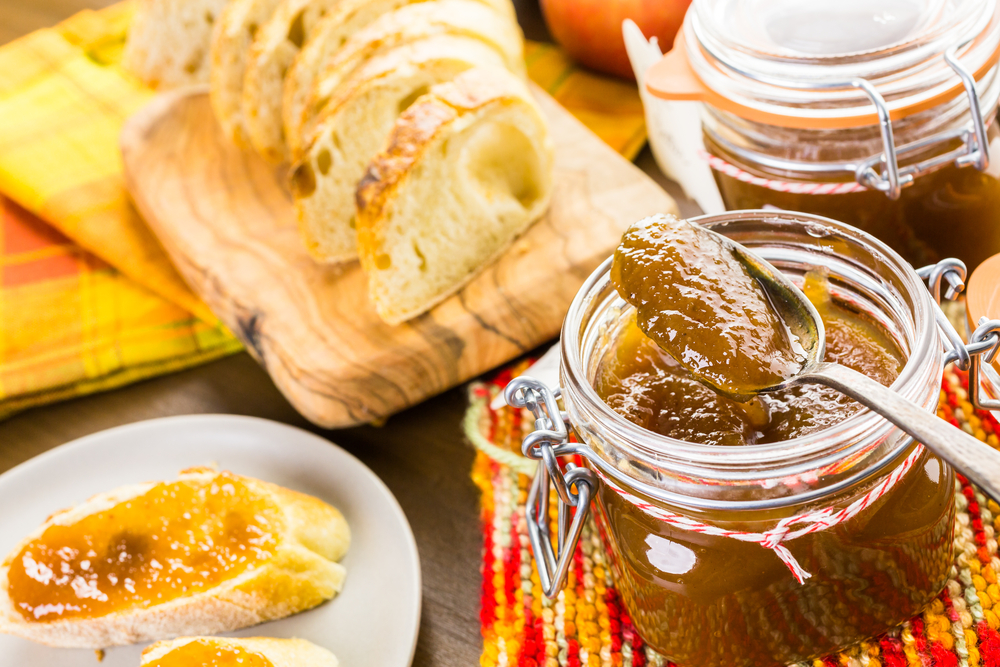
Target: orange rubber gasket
<point>673,78</point>
<point>982,296</point>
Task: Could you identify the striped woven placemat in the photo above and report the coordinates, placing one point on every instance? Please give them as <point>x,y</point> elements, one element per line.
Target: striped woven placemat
<point>587,626</point>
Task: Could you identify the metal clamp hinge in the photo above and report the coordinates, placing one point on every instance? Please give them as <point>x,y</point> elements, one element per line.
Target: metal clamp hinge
<point>984,343</point>
<point>574,485</point>
<point>883,173</point>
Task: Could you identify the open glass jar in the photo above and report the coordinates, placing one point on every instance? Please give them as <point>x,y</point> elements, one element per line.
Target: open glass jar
<point>760,554</point>
<point>878,113</point>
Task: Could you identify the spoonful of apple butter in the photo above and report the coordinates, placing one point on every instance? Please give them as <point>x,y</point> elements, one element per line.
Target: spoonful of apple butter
<point>741,327</point>
<point>710,305</point>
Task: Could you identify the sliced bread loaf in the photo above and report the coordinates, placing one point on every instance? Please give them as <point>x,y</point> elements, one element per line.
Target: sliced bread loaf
<point>231,43</point>
<point>210,552</point>
<point>355,126</point>
<point>467,168</point>
<point>168,41</point>
<point>271,54</point>
<point>343,21</point>
<point>407,24</point>
<point>247,652</point>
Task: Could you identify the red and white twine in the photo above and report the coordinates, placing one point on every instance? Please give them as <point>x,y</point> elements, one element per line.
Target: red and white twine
<point>731,170</point>
<point>774,539</point>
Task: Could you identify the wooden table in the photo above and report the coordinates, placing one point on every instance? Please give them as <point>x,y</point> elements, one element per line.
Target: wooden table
<point>421,453</point>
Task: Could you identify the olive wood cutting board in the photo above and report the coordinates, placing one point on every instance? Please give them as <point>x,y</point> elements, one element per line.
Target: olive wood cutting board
<point>226,220</point>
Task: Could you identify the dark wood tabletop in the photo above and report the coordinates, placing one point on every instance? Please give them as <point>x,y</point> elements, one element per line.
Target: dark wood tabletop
<point>421,453</point>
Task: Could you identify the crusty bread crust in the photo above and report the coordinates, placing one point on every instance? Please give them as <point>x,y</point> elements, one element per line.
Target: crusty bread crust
<point>412,136</point>
<point>355,126</point>
<point>346,19</point>
<point>410,139</point>
<point>281,652</point>
<point>271,54</point>
<point>234,33</point>
<point>301,574</point>
<point>404,25</point>
<point>440,114</point>
<point>168,41</point>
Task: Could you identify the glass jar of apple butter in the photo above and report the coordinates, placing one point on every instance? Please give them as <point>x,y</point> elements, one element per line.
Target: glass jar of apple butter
<point>876,113</point>
<point>733,542</point>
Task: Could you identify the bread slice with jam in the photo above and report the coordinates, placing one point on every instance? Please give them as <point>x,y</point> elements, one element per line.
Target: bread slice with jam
<point>210,552</point>
<point>467,168</point>
<point>228,652</point>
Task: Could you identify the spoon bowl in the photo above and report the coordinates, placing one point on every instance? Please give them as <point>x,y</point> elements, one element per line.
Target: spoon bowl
<point>794,309</point>
<point>973,458</point>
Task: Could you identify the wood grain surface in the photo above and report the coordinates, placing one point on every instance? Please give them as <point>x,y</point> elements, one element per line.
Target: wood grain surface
<point>227,222</point>
<point>420,453</point>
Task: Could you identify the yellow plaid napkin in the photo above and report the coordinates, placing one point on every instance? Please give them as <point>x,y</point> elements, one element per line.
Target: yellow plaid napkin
<point>63,101</point>
<point>72,324</point>
<point>98,303</point>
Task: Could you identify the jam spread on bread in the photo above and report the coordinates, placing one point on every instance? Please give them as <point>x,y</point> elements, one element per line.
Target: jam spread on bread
<point>176,539</point>
<point>207,653</point>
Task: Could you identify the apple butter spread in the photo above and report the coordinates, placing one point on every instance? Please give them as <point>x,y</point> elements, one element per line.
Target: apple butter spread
<point>706,600</point>
<point>768,532</point>
<point>703,600</point>
<point>648,387</point>
<point>177,538</point>
<point>702,306</point>
<point>952,212</point>
<point>206,653</point>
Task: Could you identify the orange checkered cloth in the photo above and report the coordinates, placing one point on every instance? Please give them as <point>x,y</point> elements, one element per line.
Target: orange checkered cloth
<point>88,298</point>
<point>72,324</point>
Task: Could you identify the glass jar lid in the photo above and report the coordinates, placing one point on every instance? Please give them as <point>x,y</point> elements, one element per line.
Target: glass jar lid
<point>798,64</point>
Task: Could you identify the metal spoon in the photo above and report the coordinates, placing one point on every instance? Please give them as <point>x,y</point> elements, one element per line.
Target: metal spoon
<point>973,458</point>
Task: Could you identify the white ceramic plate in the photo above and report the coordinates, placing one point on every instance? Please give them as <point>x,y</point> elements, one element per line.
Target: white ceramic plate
<point>372,623</point>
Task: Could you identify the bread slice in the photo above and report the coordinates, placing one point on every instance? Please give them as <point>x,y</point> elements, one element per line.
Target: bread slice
<point>354,129</point>
<point>280,652</point>
<point>168,41</point>
<point>408,24</point>
<point>283,561</point>
<point>231,42</point>
<point>346,19</point>
<point>467,168</point>
<point>271,54</point>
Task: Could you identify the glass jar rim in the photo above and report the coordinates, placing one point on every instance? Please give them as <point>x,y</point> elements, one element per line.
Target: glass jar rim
<point>710,63</point>
<point>745,461</point>
<point>790,32</point>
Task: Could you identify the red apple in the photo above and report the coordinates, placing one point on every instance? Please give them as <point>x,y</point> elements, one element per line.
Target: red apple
<point>591,30</point>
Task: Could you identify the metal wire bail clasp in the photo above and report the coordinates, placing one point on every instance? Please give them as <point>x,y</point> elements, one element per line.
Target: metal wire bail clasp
<point>948,276</point>
<point>574,486</point>
<point>882,172</point>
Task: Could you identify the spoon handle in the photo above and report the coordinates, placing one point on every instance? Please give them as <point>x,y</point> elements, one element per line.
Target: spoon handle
<point>975,459</point>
